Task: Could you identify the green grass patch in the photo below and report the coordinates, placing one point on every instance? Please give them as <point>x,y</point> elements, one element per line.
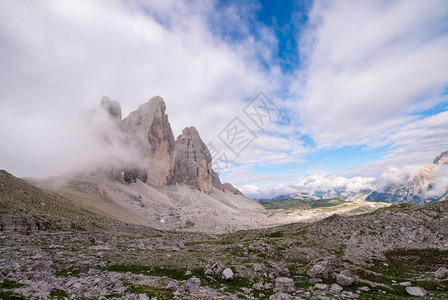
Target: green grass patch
<point>10,284</point>
<point>10,296</point>
<point>276,235</point>
<point>58,294</point>
<point>303,204</point>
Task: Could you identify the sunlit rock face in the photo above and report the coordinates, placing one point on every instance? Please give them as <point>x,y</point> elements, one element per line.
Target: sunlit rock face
<point>149,129</point>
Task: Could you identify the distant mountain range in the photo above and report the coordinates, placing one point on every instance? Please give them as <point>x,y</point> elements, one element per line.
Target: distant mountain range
<point>419,189</point>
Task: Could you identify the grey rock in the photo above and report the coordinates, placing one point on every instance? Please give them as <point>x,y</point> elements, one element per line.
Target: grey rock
<point>336,288</point>
<point>416,291</point>
<point>325,269</point>
<point>284,284</point>
<point>441,273</point>
<point>230,188</point>
<point>149,129</point>
<point>322,287</point>
<point>280,296</point>
<point>17,223</point>
<point>190,286</point>
<point>281,269</point>
<point>364,289</point>
<point>227,274</point>
<point>216,182</point>
<point>405,283</point>
<point>258,286</point>
<point>346,278</point>
<point>193,164</point>
<point>315,280</point>
<point>172,286</point>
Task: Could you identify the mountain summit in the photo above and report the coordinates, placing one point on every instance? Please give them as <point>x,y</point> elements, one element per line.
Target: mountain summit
<point>185,160</point>
<point>420,189</point>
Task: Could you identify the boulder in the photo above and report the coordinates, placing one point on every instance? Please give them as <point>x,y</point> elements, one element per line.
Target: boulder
<point>258,286</point>
<point>280,296</point>
<point>281,269</point>
<point>336,288</point>
<point>322,287</point>
<point>285,285</point>
<point>190,286</point>
<point>315,280</point>
<point>325,269</point>
<point>227,274</point>
<point>346,278</point>
<point>441,273</point>
<point>416,291</point>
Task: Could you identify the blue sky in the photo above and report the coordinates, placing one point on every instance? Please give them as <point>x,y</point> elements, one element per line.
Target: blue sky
<point>361,85</point>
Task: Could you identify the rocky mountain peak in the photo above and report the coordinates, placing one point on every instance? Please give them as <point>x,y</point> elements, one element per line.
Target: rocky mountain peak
<point>441,159</point>
<point>149,128</point>
<point>193,161</point>
<point>111,107</point>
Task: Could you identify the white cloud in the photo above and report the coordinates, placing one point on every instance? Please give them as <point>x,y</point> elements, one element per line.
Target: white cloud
<point>369,65</point>
<point>59,57</point>
<point>311,183</point>
<point>440,187</point>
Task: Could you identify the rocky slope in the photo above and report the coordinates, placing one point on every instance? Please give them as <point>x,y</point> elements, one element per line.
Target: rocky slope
<point>418,189</point>
<point>388,254</point>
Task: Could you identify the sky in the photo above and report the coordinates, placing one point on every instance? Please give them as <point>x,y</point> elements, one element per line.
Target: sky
<point>346,94</point>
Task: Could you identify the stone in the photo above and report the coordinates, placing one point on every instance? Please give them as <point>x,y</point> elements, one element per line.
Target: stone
<point>281,269</point>
<point>346,278</point>
<point>143,297</point>
<point>336,288</point>
<point>227,274</point>
<point>193,164</point>
<point>325,269</point>
<point>149,129</point>
<point>284,284</point>
<point>258,286</point>
<point>190,286</point>
<point>315,280</point>
<point>416,291</point>
<point>441,273</point>
<point>364,289</point>
<point>172,286</point>
<point>246,290</point>
<point>280,296</point>
<point>322,287</point>
<point>405,283</point>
